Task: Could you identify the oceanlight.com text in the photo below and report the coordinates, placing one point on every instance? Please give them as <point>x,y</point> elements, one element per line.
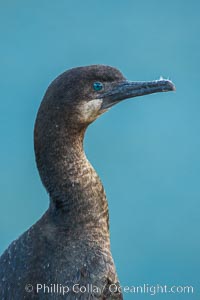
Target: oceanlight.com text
<point>149,289</point>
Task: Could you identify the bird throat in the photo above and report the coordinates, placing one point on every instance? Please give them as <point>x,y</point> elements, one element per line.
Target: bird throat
<point>77,197</point>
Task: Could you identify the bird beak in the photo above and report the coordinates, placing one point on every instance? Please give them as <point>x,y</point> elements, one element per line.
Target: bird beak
<point>129,89</point>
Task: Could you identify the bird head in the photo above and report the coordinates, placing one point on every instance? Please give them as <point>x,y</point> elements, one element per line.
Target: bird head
<point>82,94</point>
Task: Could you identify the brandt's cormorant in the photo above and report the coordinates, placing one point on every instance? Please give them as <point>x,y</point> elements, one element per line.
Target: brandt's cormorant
<point>66,254</point>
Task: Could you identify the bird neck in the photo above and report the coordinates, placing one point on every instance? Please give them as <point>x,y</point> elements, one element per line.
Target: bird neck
<point>77,197</point>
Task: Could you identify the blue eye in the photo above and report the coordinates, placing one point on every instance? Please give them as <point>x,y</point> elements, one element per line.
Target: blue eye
<point>97,86</point>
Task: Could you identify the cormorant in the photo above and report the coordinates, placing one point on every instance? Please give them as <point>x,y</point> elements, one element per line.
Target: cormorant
<point>66,254</point>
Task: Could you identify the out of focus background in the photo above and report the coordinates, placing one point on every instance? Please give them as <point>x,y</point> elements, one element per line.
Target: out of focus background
<point>146,150</point>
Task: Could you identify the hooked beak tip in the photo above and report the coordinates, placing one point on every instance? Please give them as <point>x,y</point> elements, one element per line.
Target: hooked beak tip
<point>168,85</point>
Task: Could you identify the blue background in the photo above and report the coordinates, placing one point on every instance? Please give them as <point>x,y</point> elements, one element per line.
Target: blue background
<point>146,150</point>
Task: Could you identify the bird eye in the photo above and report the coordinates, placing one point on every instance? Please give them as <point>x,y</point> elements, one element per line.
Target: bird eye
<point>97,86</point>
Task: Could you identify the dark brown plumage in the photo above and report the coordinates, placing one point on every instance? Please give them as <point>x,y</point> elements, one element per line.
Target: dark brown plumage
<point>70,244</point>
